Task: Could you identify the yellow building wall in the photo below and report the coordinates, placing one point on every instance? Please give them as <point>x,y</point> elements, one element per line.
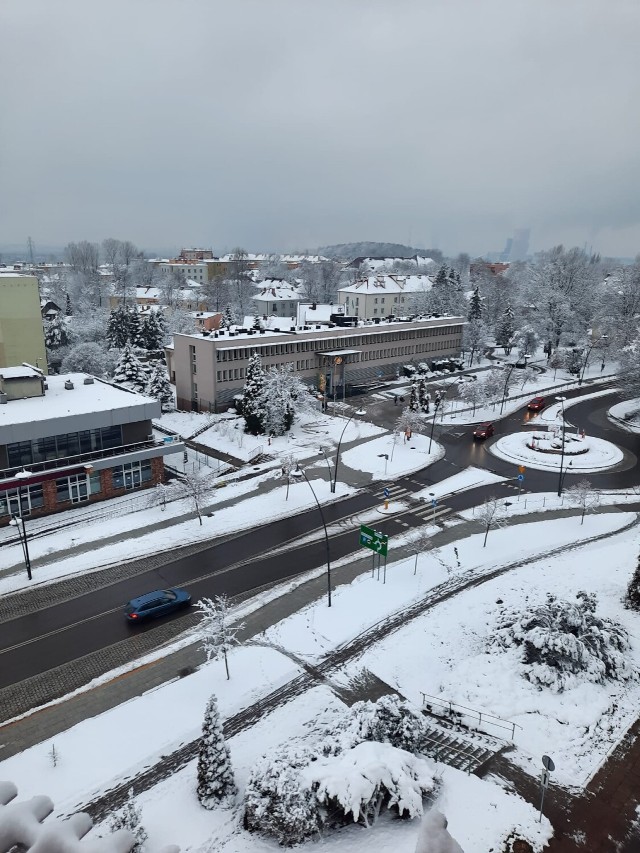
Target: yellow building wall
<point>21,332</point>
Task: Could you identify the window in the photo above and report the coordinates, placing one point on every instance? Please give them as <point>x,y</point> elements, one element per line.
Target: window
<point>131,475</point>
<point>32,498</point>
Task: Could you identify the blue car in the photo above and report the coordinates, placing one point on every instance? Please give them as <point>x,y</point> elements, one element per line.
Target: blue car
<point>157,603</point>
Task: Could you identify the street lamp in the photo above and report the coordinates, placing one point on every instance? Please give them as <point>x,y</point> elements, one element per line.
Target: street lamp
<point>384,456</point>
<point>506,383</point>
<point>586,359</point>
<point>436,406</point>
<point>16,519</point>
<point>562,401</point>
<point>335,468</point>
<point>299,472</point>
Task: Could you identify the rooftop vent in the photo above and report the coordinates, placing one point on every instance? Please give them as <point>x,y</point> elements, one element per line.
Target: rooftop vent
<point>3,398</point>
<point>88,380</point>
<point>68,385</point>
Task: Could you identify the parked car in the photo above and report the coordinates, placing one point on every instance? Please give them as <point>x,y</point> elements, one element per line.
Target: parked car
<point>156,603</point>
<point>483,430</point>
<point>537,404</point>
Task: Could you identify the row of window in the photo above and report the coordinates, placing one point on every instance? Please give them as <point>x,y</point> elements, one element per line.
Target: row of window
<point>346,342</point>
<point>25,453</point>
<point>75,488</point>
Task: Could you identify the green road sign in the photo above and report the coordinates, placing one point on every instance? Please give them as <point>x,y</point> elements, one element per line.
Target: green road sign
<point>373,540</point>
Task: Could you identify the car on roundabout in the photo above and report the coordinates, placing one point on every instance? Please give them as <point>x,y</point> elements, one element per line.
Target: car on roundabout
<point>537,404</point>
<point>483,430</point>
<point>160,602</point>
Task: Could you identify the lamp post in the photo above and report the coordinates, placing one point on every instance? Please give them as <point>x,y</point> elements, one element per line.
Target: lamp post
<point>384,456</point>
<point>335,468</point>
<point>436,406</point>
<point>586,359</point>
<point>299,472</point>
<point>560,479</point>
<point>17,520</point>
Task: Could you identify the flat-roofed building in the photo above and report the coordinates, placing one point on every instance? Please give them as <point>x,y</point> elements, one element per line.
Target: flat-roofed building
<point>209,370</point>
<point>73,439</point>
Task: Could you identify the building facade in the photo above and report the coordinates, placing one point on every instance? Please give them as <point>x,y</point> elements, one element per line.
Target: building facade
<point>382,295</point>
<point>67,440</point>
<point>209,370</point>
<point>21,334</point>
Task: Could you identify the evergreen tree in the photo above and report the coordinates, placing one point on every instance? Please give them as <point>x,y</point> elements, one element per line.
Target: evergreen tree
<point>118,328</point>
<point>152,331</point>
<point>129,817</point>
<point>129,371</point>
<point>159,387</point>
<point>256,322</point>
<point>506,330</point>
<point>68,310</point>
<point>423,394</point>
<point>55,333</point>
<point>215,774</point>
<point>134,328</point>
<point>227,318</point>
<point>475,305</point>
<point>632,598</point>
<point>252,395</point>
<point>414,401</point>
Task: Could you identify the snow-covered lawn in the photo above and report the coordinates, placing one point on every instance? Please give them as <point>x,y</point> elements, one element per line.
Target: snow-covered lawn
<point>404,456</point>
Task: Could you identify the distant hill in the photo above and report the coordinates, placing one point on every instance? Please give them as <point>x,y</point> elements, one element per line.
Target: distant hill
<point>348,251</point>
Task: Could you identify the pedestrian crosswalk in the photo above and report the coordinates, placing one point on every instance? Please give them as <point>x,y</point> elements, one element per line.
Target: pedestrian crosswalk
<point>428,514</point>
<point>395,493</point>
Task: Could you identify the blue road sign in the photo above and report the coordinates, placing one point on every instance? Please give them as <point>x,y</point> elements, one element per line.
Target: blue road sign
<point>521,477</point>
<point>386,493</point>
<point>434,502</point>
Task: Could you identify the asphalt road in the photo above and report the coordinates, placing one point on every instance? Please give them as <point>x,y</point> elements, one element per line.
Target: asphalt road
<point>39,641</point>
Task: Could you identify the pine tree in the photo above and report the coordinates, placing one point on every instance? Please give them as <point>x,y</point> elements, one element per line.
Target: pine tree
<point>68,310</point>
<point>227,318</point>
<point>475,305</point>
<point>215,774</point>
<point>55,333</point>
<point>414,401</point>
<point>423,395</point>
<point>129,817</point>
<point>632,598</point>
<point>118,328</point>
<point>152,331</point>
<point>158,385</point>
<point>129,371</point>
<point>256,322</point>
<point>252,395</point>
<point>134,328</point>
<point>506,330</point>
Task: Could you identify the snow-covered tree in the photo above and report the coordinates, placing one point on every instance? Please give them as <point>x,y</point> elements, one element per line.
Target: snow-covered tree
<point>421,544</point>
<point>490,514</point>
<point>584,496</point>
<point>414,399</point>
<point>526,341</point>
<point>472,393</point>
<point>55,333</point>
<point>215,774</point>
<point>252,395</point>
<point>564,643</point>
<point>287,466</point>
<point>129,371</point>
<point>219,635</point>
<point>474,338</point>
<point>152,330</point>
<point>409,421</point>
<point>283,393</point>
<point>475,305</point>
<point>192,486</point>
<point>87,358</point>
<point>434,837</point>
<point>159,387</point>
<point>505,330</point>
<point>130,817</point>
<point>68,310</point>
<point>632,597</point>
<point>118,328</point>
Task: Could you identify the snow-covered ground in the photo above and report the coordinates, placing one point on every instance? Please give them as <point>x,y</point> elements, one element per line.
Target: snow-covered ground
<point>580,454</point>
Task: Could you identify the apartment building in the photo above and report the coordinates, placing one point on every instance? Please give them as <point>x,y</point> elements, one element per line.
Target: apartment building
<point>209,369</point>
<point>66,440</point>
<point>21,334</point>
<point>382,295</point>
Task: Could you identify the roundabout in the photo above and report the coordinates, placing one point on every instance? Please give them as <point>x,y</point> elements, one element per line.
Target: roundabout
<point>543,450</point>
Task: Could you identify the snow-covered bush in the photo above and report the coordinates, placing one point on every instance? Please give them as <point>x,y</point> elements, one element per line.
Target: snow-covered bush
<point>564,643</point>
<point>87,358</point>
<point>369,777</point>
<point>130,817</point>
<point>278,803</point>
<point>632,597</point>
<point>350,766</point>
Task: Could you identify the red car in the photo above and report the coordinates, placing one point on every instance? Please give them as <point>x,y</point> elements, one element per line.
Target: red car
<point>483,430</point>
<point>537,404</point>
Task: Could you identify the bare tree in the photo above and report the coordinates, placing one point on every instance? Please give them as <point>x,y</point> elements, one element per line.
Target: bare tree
<point>422,544</point>
<point>491,514</point>
<point>191,486</point>
<point>218,635</point>
<point>584,496</point>
<point>287,465</point>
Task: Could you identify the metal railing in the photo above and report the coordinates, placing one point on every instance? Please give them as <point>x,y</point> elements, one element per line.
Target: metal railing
<point>457,713</point>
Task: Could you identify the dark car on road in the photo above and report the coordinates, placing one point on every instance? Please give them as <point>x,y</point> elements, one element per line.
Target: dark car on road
<point>156,603</point>
<point>484,430</point>
<point>537,404</point>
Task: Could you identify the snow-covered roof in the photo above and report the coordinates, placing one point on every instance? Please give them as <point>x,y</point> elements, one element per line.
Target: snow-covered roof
<point>390,284</point>
<point>321,313</point>
<point>147,293</point>
<point>379,263</point>
<point>62,410</point>
<point>273,293</point>
<point>22,371</point>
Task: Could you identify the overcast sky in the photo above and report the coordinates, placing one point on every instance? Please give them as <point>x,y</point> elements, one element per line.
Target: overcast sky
<point>287,124</point>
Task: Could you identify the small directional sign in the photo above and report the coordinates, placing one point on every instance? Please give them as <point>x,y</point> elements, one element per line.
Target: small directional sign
<point>386,493</point>
<point>434,502</point>
<point>521,469</point>
<point>521,477</point>
<point>374,540</point>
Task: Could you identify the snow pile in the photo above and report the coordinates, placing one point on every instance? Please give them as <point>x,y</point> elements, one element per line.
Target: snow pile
<point>564,643</point>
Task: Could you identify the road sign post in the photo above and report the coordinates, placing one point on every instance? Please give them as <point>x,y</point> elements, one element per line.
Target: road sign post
<point>386,497</point>
<point>548,766</point>
<point>374,540</point>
